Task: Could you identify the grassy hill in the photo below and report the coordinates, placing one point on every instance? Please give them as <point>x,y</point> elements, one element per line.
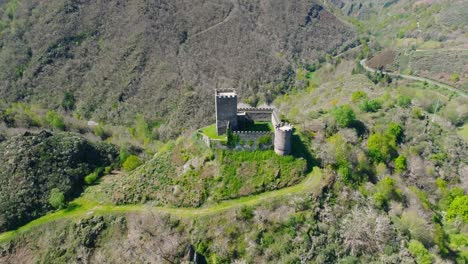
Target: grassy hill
<point>186,173</point>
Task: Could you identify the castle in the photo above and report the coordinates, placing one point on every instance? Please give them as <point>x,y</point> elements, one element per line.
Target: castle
<point>241,123</point>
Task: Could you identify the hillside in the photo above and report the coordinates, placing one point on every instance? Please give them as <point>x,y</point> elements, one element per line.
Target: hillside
<point>32,165</point>
<point>162,59</point>
<point>389,188</point>
<point>378,171</point>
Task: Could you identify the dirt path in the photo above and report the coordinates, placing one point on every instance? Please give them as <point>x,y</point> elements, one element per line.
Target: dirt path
<point>81,207</point>
<point>234,9</point>
<point>417,78</point>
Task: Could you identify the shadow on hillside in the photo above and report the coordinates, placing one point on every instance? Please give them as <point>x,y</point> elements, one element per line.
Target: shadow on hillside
<point>300,150</point>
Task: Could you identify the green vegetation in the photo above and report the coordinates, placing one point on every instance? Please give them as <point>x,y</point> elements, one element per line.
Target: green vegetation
<point>400,164</point>
<point>458,209</point>
<point>131,162</point>
<point>358,96</point>
<point>370,105</point>
<point>55,120</point>
<point>455,77</point>
<point>188,173</point>
<point>404,101</point>
<point>421,254</point>
<point>364,209</point>
<point>57,199</point>
<point>51,161</point>
<point>69,101</point>
<point>210,131</point>
<point>344,115</point>
<point>385,191</point>
<point>382,147</point>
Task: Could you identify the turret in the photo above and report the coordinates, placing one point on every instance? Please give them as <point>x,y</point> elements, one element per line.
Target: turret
<point>226,110</point>
<point>283,134</point>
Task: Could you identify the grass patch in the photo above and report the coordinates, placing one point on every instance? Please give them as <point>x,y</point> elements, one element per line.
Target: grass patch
<point>210,131</point>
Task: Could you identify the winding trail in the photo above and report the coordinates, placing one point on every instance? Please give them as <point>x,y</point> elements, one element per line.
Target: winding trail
<point>234,9</point>
<point>417,78</point>
<point>81,207</point>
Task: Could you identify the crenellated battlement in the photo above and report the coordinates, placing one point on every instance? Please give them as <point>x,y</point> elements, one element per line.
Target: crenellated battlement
<point>226,93</point>
<point>252,132</point>
<point>254,109</point>
<point>229,115</point>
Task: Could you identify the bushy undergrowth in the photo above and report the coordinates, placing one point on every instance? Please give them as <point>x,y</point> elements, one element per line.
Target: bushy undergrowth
<point>37,169</point>
<point>187,173</point>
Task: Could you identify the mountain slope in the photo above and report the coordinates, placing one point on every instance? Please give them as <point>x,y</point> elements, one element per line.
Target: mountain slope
<point>160,58</point>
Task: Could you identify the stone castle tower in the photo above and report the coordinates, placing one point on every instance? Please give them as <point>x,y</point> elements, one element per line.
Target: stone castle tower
<point>283,134</point>
<point>236,119</point>
<point>226,110</point>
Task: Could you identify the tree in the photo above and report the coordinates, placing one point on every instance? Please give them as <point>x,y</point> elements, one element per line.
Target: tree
<point>396,131</point>
<point>386,191</point>
<point>421,254</point>
<point>68,102</point>
<point>344,115</point>
<point>400,164</point>
<point>381,147</point>
<point>57,199</point>
<point>370,105</point>
<point>458,209</point>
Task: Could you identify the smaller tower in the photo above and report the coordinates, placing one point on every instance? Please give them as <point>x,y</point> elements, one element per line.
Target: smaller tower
<point>283,134</point>
<point>226,110</point>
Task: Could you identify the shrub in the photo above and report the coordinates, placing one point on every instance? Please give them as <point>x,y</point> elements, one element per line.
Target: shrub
<point>123,155</point>
<point>68,102</point>
<point>100,132</point>
<point>246,213</point>
<point>404,101</point>
<point>55,120</point>
<point>344,115</point>
<point>131,163</point>
<point>396,131</point>
<point>358,96</point>
<point>386,191</point>
<point>370,105</point>
<point>107,170</point>
<point>400,164</point>
<point>455,77</point>
<point>458,209</point>
<point>417,113</point>
<point>421,254</point>
<point>57,199</point>
<point>91,178</point>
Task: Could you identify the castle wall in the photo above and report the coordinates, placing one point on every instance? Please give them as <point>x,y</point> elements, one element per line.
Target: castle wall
<point>258,114</point>
<point>226,111</point>
<point>250,140</point>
